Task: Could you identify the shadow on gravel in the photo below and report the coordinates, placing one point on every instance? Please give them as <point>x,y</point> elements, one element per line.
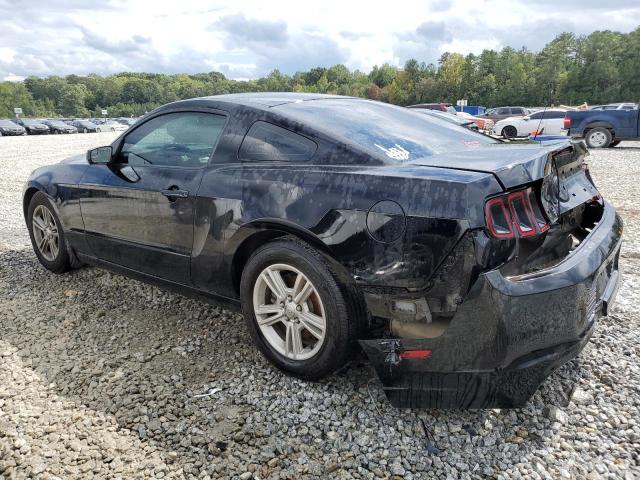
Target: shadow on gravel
<point>628,149</point>
<point>183,376</point>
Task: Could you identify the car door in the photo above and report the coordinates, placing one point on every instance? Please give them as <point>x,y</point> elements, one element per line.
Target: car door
<point>553,122</point>
<point>503,112</point>
<point>138,211</point>
<point>527,125</point>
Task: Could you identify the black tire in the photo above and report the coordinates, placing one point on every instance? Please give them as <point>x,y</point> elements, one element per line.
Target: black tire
<point>61,263</point>
<point>598,137</point>
<point>509,131</point>
<point>615,143</point>
<point>343,317</point>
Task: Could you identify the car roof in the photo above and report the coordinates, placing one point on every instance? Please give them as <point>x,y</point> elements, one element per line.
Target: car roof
<point>270,99</point>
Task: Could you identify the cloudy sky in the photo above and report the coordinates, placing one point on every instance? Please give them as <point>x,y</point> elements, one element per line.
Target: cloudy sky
<point>246,39</point>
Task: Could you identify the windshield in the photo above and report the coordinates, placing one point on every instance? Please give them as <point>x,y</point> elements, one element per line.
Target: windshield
<point>7,123</point>
<point>381,129</point>
<point>57,123</point>
<point>27,121</point>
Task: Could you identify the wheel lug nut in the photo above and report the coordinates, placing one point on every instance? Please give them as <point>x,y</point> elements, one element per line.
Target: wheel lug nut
<point>299,308</point>
<point>289,298</point>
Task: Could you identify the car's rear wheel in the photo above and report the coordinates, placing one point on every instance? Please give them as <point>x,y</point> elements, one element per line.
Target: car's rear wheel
<point>296,311</point>
<point>46,234</point>
<point>509,131</point>
<point>598,138</point>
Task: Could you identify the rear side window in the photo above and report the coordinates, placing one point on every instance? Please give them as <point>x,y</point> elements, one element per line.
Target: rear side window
<point>517,111</point>
<point>504,111</point>
<point>554,115</point>
<point>267,142</point>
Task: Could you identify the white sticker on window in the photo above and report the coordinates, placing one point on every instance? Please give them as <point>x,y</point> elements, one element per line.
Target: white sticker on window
<point>396,152</point>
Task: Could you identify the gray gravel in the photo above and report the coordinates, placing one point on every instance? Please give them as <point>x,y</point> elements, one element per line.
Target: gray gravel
<point>105,376</point>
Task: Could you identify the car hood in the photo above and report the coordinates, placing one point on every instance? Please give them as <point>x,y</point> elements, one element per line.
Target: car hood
<point>80,158</point>
<point>512,165</point>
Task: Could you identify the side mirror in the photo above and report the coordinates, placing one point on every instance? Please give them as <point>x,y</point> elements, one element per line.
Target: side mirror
<point>100,156</point>
<point>526,117</point>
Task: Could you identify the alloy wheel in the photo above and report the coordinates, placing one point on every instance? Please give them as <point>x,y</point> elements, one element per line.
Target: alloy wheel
<point>45,233</point>
<point>289,311</point>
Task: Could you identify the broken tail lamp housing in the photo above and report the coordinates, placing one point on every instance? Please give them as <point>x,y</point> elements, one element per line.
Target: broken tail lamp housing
<point>516,214</point>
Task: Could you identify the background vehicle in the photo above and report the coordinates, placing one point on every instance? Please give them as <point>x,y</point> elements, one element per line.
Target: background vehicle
<point>549,122</point>
<point>7,128</point>
<point>616,106</point>
<point>500,113</point>
<point>33,127</point>
<point>127,121</point>
<point>331,220</point>
<point>58,126</point>
<point>481,123</point>
<point>603,128</point>
<point>443,107</point>
<point>112,126</point>
<point>448,117</point>
<point>85,126</point>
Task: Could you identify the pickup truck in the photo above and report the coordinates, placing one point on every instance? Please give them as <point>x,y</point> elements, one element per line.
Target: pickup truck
<point>603,128</point>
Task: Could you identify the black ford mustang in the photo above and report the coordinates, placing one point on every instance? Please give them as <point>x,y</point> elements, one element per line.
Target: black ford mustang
<point>467,269</point>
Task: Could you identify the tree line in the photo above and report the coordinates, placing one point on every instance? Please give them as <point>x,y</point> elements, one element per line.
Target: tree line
<point>602,67</point>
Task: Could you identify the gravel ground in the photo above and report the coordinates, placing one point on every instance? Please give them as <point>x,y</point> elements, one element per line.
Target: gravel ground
<point>105,376</point>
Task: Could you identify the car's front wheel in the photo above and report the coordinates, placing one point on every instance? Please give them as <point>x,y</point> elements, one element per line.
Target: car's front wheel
<point>46,235</point>
<point>296,311</point>
<point>509,132</point>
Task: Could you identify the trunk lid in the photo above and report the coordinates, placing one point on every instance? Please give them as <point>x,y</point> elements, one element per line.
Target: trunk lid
<point>558,165</point>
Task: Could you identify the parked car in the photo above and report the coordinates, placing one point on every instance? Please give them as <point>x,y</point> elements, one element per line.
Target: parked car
<point>482,123</point>
<point>129,121</point>
<point>85,126</point>
<point>33,127</point>
<point>496,114</point>
<point>9,128</point>
<point>549,122</point>
<point>113,126</point>
<point>453,258</point>
<point>443,107</point>
<point>616,106</point>
<point>448,117</point>
<point>58,126</point>
<point>603,128</point>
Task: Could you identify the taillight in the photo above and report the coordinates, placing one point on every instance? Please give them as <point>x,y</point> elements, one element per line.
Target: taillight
<point>515,214</point>
<point>567,122</point>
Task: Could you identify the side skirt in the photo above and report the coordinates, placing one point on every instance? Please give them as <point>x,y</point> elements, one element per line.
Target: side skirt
<point>211,298</point>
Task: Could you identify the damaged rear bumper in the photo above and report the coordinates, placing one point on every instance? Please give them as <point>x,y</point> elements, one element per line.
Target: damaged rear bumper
<point>508,335</point>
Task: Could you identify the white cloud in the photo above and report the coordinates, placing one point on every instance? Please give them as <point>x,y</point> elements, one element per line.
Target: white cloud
<point>247,39</point>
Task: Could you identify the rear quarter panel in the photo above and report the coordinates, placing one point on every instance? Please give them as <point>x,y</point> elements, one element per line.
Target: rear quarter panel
<point>328,207</point>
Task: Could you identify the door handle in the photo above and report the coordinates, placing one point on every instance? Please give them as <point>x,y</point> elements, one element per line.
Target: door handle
<point>174,192</point>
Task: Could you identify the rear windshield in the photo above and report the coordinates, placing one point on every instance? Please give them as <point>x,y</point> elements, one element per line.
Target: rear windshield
<point>397,133</point>
<point>7,123</point>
